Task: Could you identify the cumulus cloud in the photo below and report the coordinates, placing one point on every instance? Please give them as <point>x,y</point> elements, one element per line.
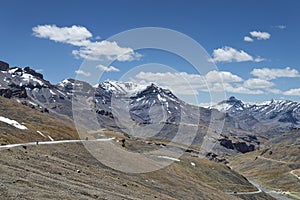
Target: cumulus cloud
<point>80,37</point>
<point>292,92</point>
<point>107,68</point>
<point>248,39</point>
<point>273,73</point>
<point>229,54</point>
<point>183,83</point>
<point>106,49</point>
<point>81,72</point>
<point>74,35</point>
<point>227,87</point>
<point>273,90</point>
<point>222,76</point>
<point>258,83</point>
<point>260,35</point>
<point>178,82</point>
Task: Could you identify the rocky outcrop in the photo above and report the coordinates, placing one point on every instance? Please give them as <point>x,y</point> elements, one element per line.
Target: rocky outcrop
<point>243,147</point>
<point>33,73</point>
<point>4,66</point>
<point>226,143</point>
<point>216,158</point>
<point>106,113</point>
<point>240,146</point>
<point>7,93</point>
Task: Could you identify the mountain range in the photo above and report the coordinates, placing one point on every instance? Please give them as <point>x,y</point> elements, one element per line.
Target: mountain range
<point>239,141</point>
<point>234,127</point>
<point>271,117</point>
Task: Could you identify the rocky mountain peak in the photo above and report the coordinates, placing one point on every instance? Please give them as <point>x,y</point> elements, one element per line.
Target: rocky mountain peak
<point>230,105</point>
<point>122,88</point>
<point>33,72</point>
<point>4,66</point>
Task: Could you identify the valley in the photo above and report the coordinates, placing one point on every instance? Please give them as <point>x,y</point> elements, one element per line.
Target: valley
<point>122,140</point>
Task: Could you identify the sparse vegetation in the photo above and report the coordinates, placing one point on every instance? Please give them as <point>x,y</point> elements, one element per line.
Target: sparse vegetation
<point>34,121</point>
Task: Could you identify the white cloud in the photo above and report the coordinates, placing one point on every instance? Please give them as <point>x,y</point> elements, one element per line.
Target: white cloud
<point>229,54</point>
<point>259,59</point>
<point>292,92</point>
<point>107,68</point>
<point>73,35</point>
<point>176,77</point>
<point>222,76</point>
<point>106,49</point>
<point>182,83</point>
<point>273,90</point>
<point>227,87</point>
<point>80,37</point>
<point>255,83</point>
<point>188,84</point>
<point>273,73</point>
<point>280,26</point>
<point>178,82</point>
<point>248,39</point>
<point>260,35</point>
<point>81,72</point>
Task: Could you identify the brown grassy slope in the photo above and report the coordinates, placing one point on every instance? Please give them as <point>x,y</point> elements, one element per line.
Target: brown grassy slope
<point>271,167</point>
<point>34,121</point>
<point>51,172</point>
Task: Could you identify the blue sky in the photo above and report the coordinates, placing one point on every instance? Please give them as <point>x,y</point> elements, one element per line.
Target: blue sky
<point>55,37</point>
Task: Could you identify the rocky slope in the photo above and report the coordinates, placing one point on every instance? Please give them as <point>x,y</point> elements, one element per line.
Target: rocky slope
<point>19,124</point>
<point>68,171</point>
<point>275,166</point>
<point>271,117</point>
<point>149,111</point>
<point>139,110</point>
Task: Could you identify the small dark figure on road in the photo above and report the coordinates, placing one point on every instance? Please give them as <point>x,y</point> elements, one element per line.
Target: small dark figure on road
<point>123,142</point>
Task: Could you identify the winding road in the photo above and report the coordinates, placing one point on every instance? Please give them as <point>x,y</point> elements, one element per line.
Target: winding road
<point>270,159</point>
<point>259,188</point>
<point>254,192</point>
<point>293,173</point>
<point>8,146</point>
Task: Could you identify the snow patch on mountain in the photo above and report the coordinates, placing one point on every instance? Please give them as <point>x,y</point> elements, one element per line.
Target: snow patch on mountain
<point>40,133</point>
<point>272,116</point>
<point>169,158</point>
<point>29,78</point>
<point>13,123</point>
<point>231,105</point>
<point>65,82</point>
<point>126,88</point>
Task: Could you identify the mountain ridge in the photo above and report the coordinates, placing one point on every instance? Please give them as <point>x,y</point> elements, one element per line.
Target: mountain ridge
<point>130,108</point>
<point>282,115</point>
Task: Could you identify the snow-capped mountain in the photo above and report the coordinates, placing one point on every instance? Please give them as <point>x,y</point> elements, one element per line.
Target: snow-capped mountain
<point>270,116</point>
<point>127,106</point>
<point>231,105</point>
<point>154,99</point>
<point>122,88</point>
<point>31,89</point>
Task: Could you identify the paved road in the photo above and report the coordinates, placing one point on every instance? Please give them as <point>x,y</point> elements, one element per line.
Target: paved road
<point>270,159</point>
<point>254,192</point>
<point>293,173</point>
<point>8,146</point>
